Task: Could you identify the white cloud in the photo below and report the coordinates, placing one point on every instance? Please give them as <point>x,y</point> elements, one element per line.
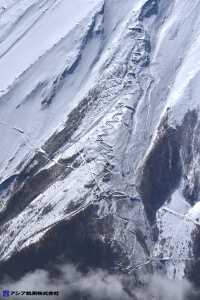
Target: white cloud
<point>99,285</point>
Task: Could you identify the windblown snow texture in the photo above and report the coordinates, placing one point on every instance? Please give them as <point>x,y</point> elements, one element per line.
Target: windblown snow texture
<point>100,127</point>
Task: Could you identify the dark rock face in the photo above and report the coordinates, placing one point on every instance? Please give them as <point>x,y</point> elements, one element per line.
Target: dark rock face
<point>142,240</point>
<point>29,170</point>
<point>161,171</point>
<point>30,190</point>
<point>192,269</point>
<point>90,240</point>
<point>172,157</point>
<point>149,8</point>
<point>75,118</point>
<point>83,240</point>
<point>190,154</point>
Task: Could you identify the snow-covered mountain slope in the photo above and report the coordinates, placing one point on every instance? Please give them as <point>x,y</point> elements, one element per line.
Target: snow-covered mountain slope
<point>99,126</point>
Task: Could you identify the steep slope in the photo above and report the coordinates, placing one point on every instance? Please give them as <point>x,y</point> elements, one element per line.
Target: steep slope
<point>99,123</point>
